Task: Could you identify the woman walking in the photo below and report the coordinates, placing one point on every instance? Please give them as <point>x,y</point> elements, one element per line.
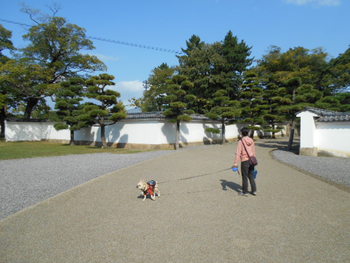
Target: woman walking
<point>244,152</point>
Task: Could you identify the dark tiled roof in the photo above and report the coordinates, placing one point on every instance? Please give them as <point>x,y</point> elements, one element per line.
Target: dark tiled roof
<point>145,115</point>
<point>158,115</point>
<point>328,115</point>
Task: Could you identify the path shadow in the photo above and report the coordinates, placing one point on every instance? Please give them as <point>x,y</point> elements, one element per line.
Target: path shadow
<point>233,186</point>
<point>279,145</point>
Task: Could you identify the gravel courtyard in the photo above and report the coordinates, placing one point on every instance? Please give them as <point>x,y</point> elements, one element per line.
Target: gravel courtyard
<point>199,217</point>
<point>25,182</point>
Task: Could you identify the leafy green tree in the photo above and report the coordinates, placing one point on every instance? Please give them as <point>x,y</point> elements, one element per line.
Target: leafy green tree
<point>56,46</point>
<point>223,109</point>
<point>252,104</point>
<point>5,43</point>
<point>68,99</point>
<point>339,73</point>
<point>213,67</point>
<point>344,100</point>
<point>5,87</point>
<point>236,54</point>
<point>27,82</point>
<point>193,43</point>
<point>107,110</point>
<point>153,97</point>
<point>177,99</point>
<point>274,98</point>
<point>299,72</point>
<point>196,65</point>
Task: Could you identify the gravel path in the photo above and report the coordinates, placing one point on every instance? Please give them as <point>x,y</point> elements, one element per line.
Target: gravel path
<point>199,218</point>
<point>25,182</point>
<point>53,175</point>
<point>330,168</point>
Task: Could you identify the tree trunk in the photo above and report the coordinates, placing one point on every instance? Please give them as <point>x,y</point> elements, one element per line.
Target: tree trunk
<point>222,131</point>
<point>291,136</point>
<point>251,132</point>
<point>103,136</point>
<point>71,137</point>
<point>273,132</point>
<point>2,122</point>
<point>32,102</point>
<point>177,135</point>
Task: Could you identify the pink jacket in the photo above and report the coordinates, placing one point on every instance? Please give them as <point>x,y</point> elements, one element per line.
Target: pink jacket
<point>241,153</point>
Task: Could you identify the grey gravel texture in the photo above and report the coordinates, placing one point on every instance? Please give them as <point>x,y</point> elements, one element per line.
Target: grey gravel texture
<point>199,218</point>
<point>25,182</point>
<point>331,169</point>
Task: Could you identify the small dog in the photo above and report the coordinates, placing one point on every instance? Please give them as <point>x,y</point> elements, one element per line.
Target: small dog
<point>149,188</point>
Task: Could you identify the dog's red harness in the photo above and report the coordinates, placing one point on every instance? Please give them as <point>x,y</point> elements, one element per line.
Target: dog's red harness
<point>150,189</point>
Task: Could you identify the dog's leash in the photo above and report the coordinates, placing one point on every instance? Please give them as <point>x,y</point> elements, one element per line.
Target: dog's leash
<point>194,177</point>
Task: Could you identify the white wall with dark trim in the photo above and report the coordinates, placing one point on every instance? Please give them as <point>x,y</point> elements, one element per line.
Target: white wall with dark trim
<point>147,132</point>
<point>319,137</point>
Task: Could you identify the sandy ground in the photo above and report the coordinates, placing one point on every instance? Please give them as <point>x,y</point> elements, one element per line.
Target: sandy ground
<point>199,217</point>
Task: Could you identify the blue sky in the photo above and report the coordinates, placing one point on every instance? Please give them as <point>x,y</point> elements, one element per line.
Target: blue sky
<point>168,24</point>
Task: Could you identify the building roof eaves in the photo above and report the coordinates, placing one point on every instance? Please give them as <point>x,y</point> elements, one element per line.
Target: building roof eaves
<point>328,115</point>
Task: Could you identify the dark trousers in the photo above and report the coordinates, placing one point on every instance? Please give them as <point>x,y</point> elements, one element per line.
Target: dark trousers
<point>247,173</point>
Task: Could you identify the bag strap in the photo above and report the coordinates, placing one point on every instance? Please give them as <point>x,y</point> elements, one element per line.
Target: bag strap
<point>245,148</point>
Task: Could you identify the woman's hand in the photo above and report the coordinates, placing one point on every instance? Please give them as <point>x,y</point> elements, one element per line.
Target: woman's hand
<point>235,168</point>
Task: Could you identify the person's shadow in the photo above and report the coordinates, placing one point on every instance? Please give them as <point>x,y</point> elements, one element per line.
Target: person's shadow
<point>226,184</point>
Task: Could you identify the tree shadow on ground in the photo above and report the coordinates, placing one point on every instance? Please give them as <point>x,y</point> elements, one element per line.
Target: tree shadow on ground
<point>233,186</point>
<point>279,144</point>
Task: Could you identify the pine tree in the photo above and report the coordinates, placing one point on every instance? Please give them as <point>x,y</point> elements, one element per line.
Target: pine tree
<point>68,106</point>
<point>223,109</point>
<point>153,97</point>
<point>5,86</point>
<point>107,110</point>
<point>177,102</point>
<point>56,46</point>
<point>252,102</point>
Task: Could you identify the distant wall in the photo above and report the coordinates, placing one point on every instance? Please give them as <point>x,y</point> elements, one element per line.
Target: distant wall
<point>126,133</point>
<point>323,138</point>
<point>333,138</point>
<point>34,131</point>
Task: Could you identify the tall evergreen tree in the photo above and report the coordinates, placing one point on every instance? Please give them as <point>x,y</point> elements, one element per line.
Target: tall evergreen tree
<point>56,46</point>
<point>153,96</point>
<point>5,86</point>
<point>252,101</point>
<point>68,106</point>
<point>274,98</point>
<point>177,100</point>
<point>338,73</point>
<point>223,109</point>
<point>213,67</point>
<point>107,110</point>
<point>236,54</point>
<point>297,72</point>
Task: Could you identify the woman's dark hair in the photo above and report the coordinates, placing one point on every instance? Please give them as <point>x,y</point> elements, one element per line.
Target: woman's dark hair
<point>244,131</point>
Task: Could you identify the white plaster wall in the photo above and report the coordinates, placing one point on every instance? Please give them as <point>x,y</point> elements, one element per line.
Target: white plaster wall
<point>129,131</point>
<point>137,132</point>
<point>333,137</point>
<point>153,132</point>
<point>232,131</point>
<point>307,129</point>
<point>280,133</point>
<point>195,132</point>
<point>34,131</point>
<point>143,132</point>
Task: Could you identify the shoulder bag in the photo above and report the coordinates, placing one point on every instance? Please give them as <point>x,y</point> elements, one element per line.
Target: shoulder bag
<point>252,159</point>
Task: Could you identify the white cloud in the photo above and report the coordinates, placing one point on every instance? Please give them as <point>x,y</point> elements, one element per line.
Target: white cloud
<point>130,86</point>
<point>129,89</point>
<point>317,2</point>
<point>105,58</point>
